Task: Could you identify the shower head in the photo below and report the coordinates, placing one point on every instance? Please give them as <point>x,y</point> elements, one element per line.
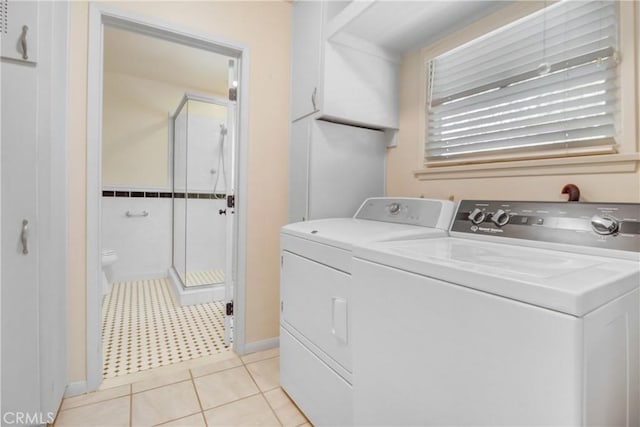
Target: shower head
<point>223,130</point>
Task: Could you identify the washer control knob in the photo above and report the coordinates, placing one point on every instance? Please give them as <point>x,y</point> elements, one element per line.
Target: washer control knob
<point>394,208</point>
<point>604,224</point>
<point>500,218</point>
<point>476,216</point>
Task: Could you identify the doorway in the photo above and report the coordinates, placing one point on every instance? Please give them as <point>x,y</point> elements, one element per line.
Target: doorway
<point>103,20</point>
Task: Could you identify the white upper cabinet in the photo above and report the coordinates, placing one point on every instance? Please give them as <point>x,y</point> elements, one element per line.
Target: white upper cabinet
<point>352,83</point>
<point>19,30</point>
<point>306,53</point>
<point>346,55</point>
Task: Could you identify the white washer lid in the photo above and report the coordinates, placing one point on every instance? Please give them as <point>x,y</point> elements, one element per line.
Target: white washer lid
<point>344,233</point>
<point>567,282</point>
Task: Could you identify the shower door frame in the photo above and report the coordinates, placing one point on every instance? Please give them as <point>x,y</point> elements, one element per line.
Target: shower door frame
<point>190,96</point>
<point>99,16</point>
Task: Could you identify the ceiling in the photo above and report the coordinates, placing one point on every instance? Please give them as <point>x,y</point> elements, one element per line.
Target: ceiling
<point>152,58</point>
<point>404,26</point>
<point>400,26</point>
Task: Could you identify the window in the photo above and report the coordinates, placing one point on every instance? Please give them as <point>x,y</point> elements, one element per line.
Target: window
<point>543,86</point>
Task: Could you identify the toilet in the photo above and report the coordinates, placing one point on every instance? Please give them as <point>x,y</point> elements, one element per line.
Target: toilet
<point>109,257</point>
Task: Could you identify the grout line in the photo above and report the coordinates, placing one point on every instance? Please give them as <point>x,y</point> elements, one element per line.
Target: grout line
<point>272,409</point>
<point>216,372</point>
<point>193,383</point>
<point>157,387</point>
<point>93,403</point>
<point>259,360</point>
<point>233,401</point>
<point>177,419</point>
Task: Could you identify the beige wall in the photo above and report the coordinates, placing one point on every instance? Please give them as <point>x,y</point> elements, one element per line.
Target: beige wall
<point>265,28</point>
<point>541,182</point>
<point>135,130</point>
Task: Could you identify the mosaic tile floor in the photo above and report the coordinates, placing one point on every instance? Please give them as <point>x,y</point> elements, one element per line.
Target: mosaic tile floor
<point>144,328</point>
<point>198,278</point>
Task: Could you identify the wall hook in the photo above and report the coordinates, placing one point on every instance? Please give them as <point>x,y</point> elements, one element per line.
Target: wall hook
<point>573,191</point>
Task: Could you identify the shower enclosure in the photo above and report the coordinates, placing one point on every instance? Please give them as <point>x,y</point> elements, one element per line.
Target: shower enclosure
<point>200,177</point>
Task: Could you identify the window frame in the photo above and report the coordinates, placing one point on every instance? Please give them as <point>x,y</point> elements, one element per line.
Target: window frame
<point>542,162</point>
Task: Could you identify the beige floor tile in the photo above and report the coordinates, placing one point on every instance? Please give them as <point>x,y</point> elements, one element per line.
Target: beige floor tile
<point>285,409</point>
<point>110,413</point>
<point>252,411</point>
<point>164,404</point>
<point>261,355</point>
<point>210,368</point>
<point>224,387</point>
<point>196,420</point>
<point>96,396</point>
<point>161,379</point>
<point>266,373</point>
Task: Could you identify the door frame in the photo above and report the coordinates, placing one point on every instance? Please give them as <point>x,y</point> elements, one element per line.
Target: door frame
<point>99,16</point>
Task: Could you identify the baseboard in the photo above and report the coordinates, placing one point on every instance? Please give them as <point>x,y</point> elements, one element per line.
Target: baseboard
<point>76,388</point>
<point>129,277</point>
<point>252,347</point>
<point>195,295</point>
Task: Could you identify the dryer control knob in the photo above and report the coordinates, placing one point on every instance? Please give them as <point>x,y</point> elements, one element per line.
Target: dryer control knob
<point>476,216</point>
<point>604,224</point>
<point>500,218</point>
<point>394,208</point>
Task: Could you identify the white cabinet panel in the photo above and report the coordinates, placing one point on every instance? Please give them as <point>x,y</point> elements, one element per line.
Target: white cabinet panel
<point>306,54</point>
<point>34,280</point>
<point>19,32</point>
<point>359,87</point>
<point>333,168</point>
<point>346,166</point>
<point>299,170</point>
<point>347,84</point>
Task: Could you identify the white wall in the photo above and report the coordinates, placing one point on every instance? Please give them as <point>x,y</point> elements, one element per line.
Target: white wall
<point>143,244</point>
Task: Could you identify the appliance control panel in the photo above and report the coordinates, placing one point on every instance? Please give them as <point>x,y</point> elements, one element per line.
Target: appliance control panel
<point>412,211</point>
<point>604,225</point>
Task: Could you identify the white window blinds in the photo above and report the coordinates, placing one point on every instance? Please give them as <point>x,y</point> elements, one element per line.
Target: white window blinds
<point>547,82</point>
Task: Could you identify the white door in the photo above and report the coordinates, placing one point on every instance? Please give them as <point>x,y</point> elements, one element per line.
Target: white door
<point>231,237</point>
<point>33,271</point>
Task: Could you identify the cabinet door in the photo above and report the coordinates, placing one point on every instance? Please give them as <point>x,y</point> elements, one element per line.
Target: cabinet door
<point>299,169</point>
<point>359,87</point>
<point>305,57</point>
<point>346,165</point>
<point>33,289</point>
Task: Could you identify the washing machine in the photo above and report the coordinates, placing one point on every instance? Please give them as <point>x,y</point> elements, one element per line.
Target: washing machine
<point>316,355</point>
<point>527,314</point>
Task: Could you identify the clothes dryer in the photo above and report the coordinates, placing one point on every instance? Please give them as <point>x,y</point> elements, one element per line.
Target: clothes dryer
<point>316,360</point>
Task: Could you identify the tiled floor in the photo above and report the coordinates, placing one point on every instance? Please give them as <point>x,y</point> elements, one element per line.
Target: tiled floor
<point>144,328</point>
<point>199,278</point>
<point>220,390</point>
